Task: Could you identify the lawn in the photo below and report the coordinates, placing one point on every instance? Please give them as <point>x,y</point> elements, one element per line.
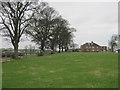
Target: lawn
<point>63,70</point>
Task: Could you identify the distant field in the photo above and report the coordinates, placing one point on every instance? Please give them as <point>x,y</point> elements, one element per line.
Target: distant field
<point>63,70</point>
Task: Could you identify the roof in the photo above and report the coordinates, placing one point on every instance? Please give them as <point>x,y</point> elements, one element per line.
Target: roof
<point>90,44</point>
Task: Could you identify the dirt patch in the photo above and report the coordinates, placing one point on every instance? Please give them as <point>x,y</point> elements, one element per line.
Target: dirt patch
<point>112,73</point>
<point>51,71</point>
<point>96,73</point>
<point>32,68</point>
<point>89,86</point>
<point>6,60</point>
<point>33,73</point>
<point>61,69</point>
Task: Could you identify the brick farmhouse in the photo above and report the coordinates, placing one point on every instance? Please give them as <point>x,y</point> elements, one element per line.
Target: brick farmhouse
<point>92,47</point>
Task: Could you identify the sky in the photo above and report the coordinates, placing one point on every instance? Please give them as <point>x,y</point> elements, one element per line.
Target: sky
<point>94,21</point>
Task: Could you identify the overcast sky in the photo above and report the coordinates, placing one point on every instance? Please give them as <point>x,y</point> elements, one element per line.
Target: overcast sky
<point>94,21</point>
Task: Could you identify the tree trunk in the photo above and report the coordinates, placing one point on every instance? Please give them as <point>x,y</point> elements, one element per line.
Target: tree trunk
<point>62,48</point>
<point>52,47</point>
<point>15,56</point>
<point>59,48</point>
<point>66,48</point>
<point>112,48</point>
<point>42,47</point>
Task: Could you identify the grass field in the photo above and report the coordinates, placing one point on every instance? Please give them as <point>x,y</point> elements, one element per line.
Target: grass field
<point>63,70</point>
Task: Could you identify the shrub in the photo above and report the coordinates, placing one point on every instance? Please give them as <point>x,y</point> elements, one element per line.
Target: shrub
<point>9,54</point>
<point>52,52</point>
<point>40,54</point>
<point>3,55</point>
<point>21,54</point>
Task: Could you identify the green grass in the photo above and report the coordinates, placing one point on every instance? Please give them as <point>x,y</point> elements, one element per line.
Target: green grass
<point>64,70</point>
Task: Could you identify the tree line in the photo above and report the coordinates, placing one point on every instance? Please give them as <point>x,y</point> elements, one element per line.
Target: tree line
<point>37,19</point>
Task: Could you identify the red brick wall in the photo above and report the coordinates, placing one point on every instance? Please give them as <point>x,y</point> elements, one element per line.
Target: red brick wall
<point>92,47</point>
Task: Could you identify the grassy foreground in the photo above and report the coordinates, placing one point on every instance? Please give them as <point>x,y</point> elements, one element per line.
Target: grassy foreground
<point>64,70</point>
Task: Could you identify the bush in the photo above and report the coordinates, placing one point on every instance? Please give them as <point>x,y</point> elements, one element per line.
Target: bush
<point>40,54</point>
<point>11,54</point>
<point>52,52</point>
<point>76,50</point>
<point>3,55</point>
<point>21,54</point>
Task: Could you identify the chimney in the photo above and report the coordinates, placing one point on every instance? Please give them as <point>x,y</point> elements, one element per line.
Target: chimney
<point>91,42</point>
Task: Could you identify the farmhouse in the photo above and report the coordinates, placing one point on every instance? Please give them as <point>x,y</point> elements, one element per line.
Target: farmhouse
<point>92,47</point>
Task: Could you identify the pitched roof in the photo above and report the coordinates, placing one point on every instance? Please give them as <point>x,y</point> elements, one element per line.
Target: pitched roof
<point>91,44</point>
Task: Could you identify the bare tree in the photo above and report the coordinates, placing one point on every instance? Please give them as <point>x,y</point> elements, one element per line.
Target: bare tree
<point>61,34</point>
<point>48,29</point>
<point>113,42</point>
<point>55,34</point>
<point>41,24</point>
<point>14,21</point>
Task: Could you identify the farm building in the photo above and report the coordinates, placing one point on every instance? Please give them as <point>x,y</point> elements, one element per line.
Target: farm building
<point>92,47</point>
